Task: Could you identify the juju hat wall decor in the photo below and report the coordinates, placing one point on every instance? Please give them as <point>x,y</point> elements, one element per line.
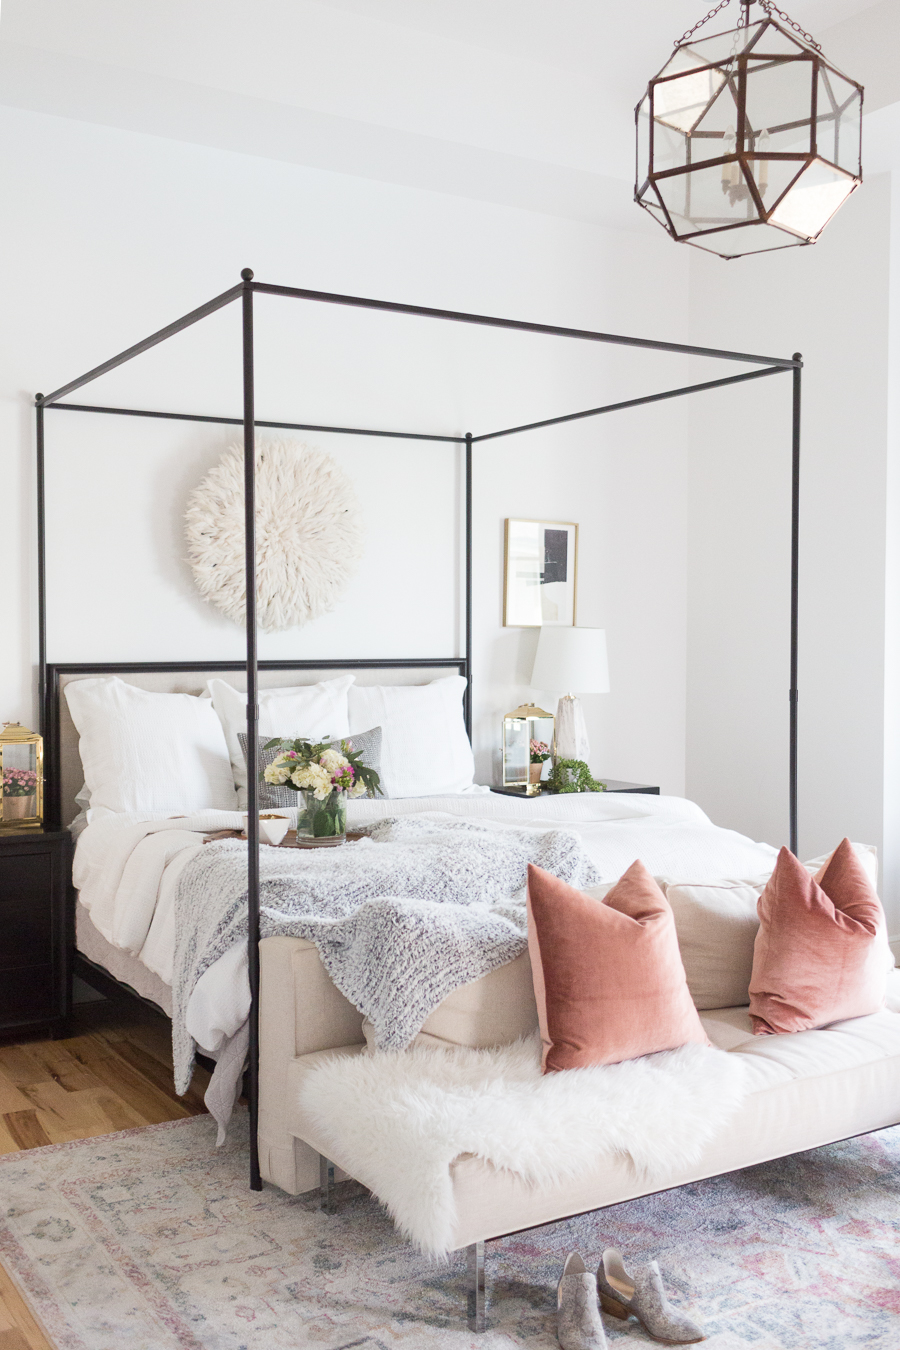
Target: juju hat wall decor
<point>309,534</point>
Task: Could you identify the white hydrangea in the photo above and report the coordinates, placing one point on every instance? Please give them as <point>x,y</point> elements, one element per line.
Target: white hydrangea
<point>313,778</point>
<point>277,772</point>
<point>332,760</point>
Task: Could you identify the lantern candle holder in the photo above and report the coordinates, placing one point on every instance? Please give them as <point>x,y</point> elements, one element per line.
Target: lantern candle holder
<point>521,727</point>
<point>22,777</point>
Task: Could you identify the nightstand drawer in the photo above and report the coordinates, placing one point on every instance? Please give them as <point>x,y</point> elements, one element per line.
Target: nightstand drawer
<point>25,877</point>
<point>26,932</point>
<point>28,995</point>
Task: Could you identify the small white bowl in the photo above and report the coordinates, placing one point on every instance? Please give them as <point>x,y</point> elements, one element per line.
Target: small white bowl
<point>273,830</point>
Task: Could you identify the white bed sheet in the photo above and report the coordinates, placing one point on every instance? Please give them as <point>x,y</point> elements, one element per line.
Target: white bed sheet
<point>126,870</point>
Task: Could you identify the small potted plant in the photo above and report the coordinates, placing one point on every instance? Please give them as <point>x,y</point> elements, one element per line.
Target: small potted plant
<point>540,753</point>
<point>19,793</point>
<point>325,778</point>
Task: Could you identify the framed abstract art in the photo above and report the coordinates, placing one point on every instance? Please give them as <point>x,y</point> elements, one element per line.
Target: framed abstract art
<point>540,573</point>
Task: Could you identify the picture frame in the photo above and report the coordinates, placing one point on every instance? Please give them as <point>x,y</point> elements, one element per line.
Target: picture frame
<point>540,573</point>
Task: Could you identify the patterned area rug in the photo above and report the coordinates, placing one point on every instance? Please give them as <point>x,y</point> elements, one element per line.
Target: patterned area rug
<point>151,1240</point>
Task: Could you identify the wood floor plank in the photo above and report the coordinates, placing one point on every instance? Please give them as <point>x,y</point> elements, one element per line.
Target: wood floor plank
<point>109,1113</point>
<point>143,1097</point>
<point>16,1317</point>
<point>26,1129</point>
<point>62,1065</point>
<point>7,1143</point>
<point>155,1039</point>
<point>12,1098</point>
<point>160,1076</point>
<point>17,1065</point>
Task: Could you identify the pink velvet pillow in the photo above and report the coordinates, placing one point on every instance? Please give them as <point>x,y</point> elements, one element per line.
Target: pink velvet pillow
<point>819,955</point>
<point>608,977</point>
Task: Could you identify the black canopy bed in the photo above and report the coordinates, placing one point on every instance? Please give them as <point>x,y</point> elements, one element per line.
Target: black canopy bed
<point>53,674</point>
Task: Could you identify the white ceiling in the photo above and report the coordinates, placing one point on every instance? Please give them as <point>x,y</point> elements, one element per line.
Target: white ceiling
<point>524,102</point>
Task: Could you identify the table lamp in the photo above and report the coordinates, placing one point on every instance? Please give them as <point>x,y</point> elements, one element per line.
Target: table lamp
<point>574,660</point>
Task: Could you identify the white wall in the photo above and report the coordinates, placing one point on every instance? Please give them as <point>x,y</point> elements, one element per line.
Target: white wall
<point>829,302</point>
<point>110,234</point>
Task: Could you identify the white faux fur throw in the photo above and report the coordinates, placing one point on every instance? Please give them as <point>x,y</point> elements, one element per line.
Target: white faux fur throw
<point>396,1120</point>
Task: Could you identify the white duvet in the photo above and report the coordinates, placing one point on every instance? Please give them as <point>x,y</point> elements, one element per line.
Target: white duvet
<point>126,870</point>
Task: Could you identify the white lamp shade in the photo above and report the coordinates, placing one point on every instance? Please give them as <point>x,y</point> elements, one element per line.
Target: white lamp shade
<point>572,660</point>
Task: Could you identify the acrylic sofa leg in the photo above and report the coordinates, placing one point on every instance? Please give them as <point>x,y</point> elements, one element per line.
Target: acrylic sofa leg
<point>475,1292</point>
<point>326,1185</point>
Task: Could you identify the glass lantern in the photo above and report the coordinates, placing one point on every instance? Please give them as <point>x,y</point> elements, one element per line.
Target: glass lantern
<point>22,771</point>
<point>748,140</point>
<point>522,727</point>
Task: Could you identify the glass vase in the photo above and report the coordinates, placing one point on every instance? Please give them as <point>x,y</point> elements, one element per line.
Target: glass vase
<point>322,822</point>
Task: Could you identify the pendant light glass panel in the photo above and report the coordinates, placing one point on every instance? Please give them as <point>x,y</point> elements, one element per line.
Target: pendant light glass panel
<point>747,140</point>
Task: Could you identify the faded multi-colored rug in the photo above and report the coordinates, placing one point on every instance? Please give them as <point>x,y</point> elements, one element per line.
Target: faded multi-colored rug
<point>151,1240</point>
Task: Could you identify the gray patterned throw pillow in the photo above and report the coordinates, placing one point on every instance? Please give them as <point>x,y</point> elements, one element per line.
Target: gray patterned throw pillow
<point>368,743</point>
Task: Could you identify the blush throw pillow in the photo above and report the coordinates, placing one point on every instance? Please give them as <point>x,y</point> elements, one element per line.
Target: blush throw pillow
<point>608,978</point>
<point>819,953</point>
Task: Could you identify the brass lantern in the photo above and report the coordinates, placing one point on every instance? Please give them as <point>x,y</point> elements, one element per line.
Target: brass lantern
<point>748,140</point>
<point>22,774</point>
<point>523,727</point>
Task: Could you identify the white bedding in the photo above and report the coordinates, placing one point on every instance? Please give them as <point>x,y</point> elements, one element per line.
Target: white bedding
<point>126,869</point>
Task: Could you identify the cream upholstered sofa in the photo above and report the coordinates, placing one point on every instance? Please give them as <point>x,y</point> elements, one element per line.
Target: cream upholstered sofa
<point>807,1089</point>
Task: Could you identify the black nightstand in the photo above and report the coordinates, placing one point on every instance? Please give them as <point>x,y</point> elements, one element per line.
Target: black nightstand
<point>612,785</point>
<point>34,929</point>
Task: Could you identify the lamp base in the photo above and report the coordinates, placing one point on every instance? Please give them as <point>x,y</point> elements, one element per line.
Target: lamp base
<point>571,733</point>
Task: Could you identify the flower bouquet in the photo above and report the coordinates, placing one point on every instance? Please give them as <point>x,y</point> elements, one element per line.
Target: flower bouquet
<point>540,753</point>
<point>325,778</point>
<point>19,789</point>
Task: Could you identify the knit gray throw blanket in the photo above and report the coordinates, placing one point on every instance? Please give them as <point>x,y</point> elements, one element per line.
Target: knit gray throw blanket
<point>424,904</point>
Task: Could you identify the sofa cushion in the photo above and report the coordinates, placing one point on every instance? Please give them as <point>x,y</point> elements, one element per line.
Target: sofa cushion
<point>817,956</point>
<point>608,978</point>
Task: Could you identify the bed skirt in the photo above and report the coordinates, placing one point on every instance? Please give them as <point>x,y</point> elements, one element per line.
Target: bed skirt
<point>124,967</point>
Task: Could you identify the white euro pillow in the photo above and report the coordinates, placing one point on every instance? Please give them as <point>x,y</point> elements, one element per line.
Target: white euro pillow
<point>146,752</point>
<point>317,711</point>
<point>425,751</point>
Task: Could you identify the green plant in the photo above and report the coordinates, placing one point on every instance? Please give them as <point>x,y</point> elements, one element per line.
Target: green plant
<point>572,775</point>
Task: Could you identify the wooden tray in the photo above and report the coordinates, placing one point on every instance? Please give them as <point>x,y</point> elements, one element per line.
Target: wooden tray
<point>290,840</point>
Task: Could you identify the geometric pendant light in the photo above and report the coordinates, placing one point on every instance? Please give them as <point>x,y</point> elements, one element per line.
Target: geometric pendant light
<point>748,140</point>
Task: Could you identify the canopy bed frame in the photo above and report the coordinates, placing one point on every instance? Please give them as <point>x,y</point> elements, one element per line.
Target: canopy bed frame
<point>245,292</point>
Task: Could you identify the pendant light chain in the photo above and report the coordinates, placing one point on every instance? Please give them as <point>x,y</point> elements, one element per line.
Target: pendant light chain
<point>771,9</point>
<point>744,19</point>
<point>711,15</point>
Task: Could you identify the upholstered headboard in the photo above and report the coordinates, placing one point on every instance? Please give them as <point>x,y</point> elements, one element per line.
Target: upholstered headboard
<point>63,761</point>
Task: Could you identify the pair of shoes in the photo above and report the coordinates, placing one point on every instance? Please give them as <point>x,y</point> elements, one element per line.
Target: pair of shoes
<point>578,1322</point>
<point>642,1295</point>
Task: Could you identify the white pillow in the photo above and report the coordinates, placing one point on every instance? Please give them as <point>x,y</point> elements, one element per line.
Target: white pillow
<point>149,752</point>
<point>313,710</point>
<point>425,751</point>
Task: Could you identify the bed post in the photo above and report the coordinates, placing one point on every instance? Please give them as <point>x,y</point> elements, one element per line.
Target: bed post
<point>252,720</point>
<point>795,585</point>
<point>41,569</point>
<point>467,702</point>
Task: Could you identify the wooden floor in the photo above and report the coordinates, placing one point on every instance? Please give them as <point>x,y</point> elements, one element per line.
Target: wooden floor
<point>113,1071</point>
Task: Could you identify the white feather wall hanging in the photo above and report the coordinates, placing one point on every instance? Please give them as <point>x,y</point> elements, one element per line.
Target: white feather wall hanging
<point>309,534</point>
